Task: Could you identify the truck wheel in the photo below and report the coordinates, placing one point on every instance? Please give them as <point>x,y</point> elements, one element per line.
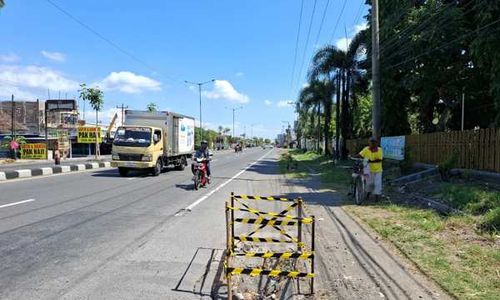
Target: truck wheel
<point>181,165</point>
<point>123,171</point>
<point>157,168</point>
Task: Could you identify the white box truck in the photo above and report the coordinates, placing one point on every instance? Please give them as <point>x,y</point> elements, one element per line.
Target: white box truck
<point>153,140</point>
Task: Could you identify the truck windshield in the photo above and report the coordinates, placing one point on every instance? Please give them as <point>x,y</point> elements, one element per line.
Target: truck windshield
<point>133,137</point>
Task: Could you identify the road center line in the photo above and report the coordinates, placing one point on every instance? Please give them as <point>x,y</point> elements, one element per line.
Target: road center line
<point>16,203</point>
<point>192,205</point>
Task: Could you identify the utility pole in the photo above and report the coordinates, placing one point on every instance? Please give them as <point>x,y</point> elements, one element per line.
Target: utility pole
<point>375,71</point>
<point>13,121</point>
<point>122,107</point>
<point>199,84</point>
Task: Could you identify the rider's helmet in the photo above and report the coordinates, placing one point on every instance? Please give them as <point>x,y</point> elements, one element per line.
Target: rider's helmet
<point>204,144</point>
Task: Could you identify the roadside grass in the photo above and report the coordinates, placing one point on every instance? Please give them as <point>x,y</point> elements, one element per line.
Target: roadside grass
<point>464,262</point>
<point>332,177</point>
<point>474,199</point>
<point>459,252</point>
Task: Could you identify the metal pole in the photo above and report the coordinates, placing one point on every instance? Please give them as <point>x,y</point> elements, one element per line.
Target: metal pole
<point>299,225</point>
<point>463,109</point>
<point>232,221</point>
<point>201,123</point>
<point>46,133</point>
<point>233,122</point>
<point>313,233</point>
<point>375,71</point>
<point>228,254</point>
<point>122,107</point>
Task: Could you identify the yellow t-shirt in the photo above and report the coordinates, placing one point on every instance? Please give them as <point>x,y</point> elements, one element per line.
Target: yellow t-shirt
<point>371,156</point>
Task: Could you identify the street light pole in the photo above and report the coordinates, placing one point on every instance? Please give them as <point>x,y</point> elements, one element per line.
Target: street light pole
<point>199,84</point>
<point>234,109</point>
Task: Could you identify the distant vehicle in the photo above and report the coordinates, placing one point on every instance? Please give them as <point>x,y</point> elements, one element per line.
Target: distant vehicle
<point>152,141</point>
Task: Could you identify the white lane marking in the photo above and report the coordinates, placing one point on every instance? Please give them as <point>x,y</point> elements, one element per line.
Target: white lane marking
<point>16,203</point>
<point>131,178</point>
<point>192,205</point>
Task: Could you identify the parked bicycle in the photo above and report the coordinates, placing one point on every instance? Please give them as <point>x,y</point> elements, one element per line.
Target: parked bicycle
<point>360,173</point>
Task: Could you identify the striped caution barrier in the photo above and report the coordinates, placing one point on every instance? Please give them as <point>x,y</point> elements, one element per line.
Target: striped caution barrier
<point>283,255</point>
<point>248,197</point>
<point>264,213</point>
<point>271,273</point>
<point>246,238</point>
<point>272,222</point>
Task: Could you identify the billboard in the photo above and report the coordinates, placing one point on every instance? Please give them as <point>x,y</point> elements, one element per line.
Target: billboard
<point>33,151</point>
<point>393,147</point>
<point>87,135</point>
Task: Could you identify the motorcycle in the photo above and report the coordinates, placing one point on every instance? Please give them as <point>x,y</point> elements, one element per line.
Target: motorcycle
<point>200,178</point>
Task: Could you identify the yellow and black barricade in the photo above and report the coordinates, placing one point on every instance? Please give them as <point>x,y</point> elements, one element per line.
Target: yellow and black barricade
<point>277,221</point>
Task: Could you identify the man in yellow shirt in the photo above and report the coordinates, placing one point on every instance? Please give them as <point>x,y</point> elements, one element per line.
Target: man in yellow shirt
<point>373,153</point>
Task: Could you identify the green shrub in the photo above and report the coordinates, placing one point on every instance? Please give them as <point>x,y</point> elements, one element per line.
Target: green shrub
<point>491,221</point>
<point>406,165</point>
<point>445,166</point>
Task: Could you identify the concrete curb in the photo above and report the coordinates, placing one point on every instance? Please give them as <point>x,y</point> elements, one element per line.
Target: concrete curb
<point>26,173</point>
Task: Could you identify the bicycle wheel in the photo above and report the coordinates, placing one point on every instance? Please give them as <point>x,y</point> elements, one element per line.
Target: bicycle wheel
<point>359,191</point>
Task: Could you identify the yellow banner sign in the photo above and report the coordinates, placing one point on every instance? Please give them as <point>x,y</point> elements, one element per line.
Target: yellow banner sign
<point>33,151</point>
<point>87,135</point>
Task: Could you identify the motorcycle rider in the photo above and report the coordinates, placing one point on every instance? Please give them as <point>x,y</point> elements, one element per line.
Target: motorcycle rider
<point>203,152</point>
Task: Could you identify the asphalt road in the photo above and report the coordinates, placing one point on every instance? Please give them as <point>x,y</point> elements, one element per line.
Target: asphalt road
<point>98,235</point>
<point>95,235</point>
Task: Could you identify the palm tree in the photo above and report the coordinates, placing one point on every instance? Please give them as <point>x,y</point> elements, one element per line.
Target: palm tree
<point>221,129</point>
<point>318,94</point>
<point>341,68</point>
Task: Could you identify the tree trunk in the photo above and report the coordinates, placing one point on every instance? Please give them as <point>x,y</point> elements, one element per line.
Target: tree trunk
<point>328,120</point>
<point>319,127</point>
<point>337,119</point>
<point>344,115</point>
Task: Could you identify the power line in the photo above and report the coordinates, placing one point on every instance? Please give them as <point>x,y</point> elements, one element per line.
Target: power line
<point>338,20</point>
<point>307,41</point>
<point>410,30</point>
<point>447,44</point>
<point>296,45</point>
<point>322,21</point>
<point>408,46</point>
<point>358,14</point>
<point>108,41</point>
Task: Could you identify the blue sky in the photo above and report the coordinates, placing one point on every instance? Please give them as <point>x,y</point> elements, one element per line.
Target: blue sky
<point>247,46</point>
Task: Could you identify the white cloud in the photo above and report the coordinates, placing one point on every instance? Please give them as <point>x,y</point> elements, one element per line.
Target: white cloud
<point>54,56</point>
<point>343,43</point>
<point>284,103</point>
<point>240,74</point>
<point>107,115</point>
<point>305,85</point>
<point>129,82</point>
<point>23,81</point>
<point>359,27</point>
<point>223,89</point>
<point>268,102</point>
<point>9,58</point>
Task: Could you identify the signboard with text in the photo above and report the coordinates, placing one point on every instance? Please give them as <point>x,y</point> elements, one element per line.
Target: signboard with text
<point>393,147</point>
<point>60,105</point>
<point>87,135</point>
<point>33,151</point>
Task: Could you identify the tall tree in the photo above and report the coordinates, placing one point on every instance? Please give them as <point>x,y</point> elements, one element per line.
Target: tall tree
<point>96,99</point>
<point>342,69</point>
